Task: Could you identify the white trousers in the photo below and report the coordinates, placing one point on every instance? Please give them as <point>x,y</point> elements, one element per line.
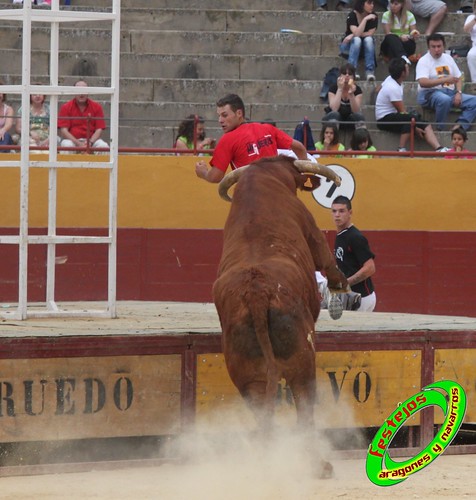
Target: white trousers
<point>368,303</point>
<point>471,61</point>
<point>66,143</point>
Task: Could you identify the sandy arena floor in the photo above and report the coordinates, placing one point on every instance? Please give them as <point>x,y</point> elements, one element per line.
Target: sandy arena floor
<point>448,477</point>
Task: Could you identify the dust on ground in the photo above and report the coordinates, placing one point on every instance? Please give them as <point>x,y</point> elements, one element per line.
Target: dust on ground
<point>450,476</point>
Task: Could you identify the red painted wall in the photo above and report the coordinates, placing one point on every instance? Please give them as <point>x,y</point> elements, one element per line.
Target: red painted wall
<point>417,271</point>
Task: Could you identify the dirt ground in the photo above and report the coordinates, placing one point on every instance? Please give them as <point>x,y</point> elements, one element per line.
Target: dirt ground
<point>448,477</point>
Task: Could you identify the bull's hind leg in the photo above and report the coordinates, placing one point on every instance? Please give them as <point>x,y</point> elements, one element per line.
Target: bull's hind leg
<point>303,387</point>
<point>257,387</point>
<point>260,395</point>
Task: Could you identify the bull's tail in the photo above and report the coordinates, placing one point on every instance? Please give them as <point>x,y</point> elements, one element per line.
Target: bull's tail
<point>258,302</point>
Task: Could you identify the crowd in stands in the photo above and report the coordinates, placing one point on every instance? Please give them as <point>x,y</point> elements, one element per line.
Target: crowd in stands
<point>438,76</point>
<point>80,123</point>
<point>440,87</point>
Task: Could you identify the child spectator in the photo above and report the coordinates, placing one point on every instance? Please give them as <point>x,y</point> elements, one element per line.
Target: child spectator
<point>399,25</point>
<point>329,139</point>
<point>191,134</point>
<point>361,141</point>
<point>458,139</point>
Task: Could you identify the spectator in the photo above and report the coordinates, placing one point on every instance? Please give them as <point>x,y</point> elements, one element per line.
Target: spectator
<point>435,10</point>
<point>458,139</point>
<point>361,24</point>
<point>353,254</point>
<point>243,143</point>
<point>6,122</point>
<point>399,25</point>
<point>81,121</point>
<point>345,100</point>
<point>390,111</point>
<point>361,141</point>
<point>440,85</point>
<point>329,139</point>
<point>39,121</point>
<point>470,27</point>
<point>191,134</point>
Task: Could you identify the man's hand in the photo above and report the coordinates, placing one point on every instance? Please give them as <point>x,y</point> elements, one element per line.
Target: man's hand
<point>213,174</point>
<point>201,169</point>
<point>457,100</point>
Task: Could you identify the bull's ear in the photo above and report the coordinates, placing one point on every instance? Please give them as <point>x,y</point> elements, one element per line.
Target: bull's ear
<point>309,182</point>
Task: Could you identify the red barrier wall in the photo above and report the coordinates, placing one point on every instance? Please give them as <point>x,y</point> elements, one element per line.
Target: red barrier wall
<point>417,271</point>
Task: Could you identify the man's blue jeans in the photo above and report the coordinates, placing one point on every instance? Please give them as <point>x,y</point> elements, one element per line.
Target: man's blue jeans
<point>441,100</point>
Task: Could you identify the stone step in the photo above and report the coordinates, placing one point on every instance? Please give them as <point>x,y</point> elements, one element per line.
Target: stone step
<point>197,4</point>
<point>274,20</point>
<point>186,90</point>
<point>189,66</point>
<point>176,111</point>
<point>191,42</point>
<point>268,5</point>
<point>229,20</point>
<point>163,136</point>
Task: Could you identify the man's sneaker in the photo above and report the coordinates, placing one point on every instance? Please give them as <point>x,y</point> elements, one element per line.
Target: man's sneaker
<point>402,150</point>
<point>442,149</point>
<point>371,77</point>
<point>343,7</point>
<point>335,306</point>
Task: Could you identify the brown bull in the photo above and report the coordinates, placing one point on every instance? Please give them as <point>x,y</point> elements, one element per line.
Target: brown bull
<point>266,293</point>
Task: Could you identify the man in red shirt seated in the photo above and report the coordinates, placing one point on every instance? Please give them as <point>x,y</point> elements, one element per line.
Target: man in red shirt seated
<point>243,142</point>
<point>81,121</point>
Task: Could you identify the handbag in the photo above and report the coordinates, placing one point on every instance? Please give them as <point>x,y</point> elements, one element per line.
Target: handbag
<point>459,50</point>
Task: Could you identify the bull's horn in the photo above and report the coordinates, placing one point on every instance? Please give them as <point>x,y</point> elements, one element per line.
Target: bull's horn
<point>306,166</point>
<point>228,181</point>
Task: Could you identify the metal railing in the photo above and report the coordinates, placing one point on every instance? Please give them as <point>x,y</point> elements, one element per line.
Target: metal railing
<point>195,150</point>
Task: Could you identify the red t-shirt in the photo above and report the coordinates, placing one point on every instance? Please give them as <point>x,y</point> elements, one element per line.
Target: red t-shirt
<point>247,143</point>
<point>72,118</point>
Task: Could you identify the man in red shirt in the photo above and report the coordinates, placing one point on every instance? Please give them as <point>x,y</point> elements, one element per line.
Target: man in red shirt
<point>243,142</point>
<point>81,121</point>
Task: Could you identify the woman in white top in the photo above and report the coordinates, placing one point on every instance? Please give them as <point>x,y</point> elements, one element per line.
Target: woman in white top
<point>399,25</point>
<point>6,122</point>
<point>470,27</point>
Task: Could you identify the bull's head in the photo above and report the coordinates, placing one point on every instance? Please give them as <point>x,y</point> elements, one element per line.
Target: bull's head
<point>303,166</point>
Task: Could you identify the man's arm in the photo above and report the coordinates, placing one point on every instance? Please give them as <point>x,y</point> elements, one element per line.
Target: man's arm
<point>299,149</point>
<point>428,83</point>
<point>96,135</point>
<point>212,174</point>
<point>66,134</point>
<point>399,106</point>
<point>367,270</point>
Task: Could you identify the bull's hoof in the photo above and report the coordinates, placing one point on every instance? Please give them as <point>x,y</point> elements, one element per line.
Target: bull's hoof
<point>325,470</point>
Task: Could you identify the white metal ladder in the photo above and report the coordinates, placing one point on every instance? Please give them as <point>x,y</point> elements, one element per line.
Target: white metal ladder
<point>28,15</point>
